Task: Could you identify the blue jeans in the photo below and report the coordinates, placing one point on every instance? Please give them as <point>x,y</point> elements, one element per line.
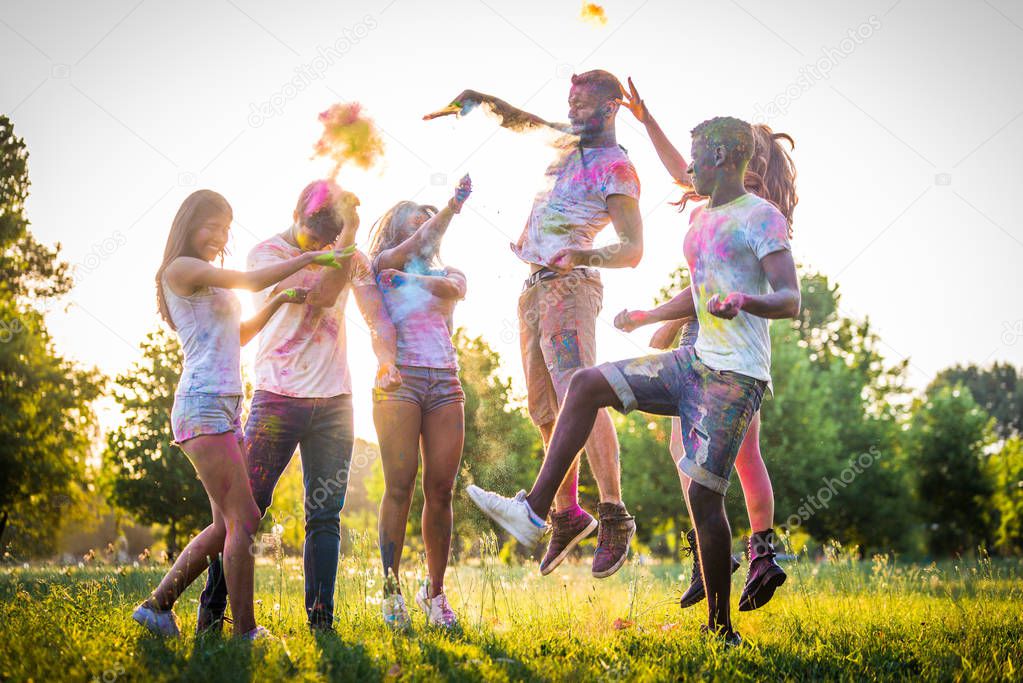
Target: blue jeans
<point>323,430</point>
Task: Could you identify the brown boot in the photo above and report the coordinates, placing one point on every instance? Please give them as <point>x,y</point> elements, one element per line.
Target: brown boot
<point>568,528</point>
<point>616,529</point>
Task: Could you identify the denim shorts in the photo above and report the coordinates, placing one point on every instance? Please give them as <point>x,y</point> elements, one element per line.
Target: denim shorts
<point>204,414</point>
<point>714,407</point>
<point>429,388</point>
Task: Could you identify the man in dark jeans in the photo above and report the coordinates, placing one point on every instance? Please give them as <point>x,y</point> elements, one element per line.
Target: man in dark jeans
<point>303,389</point>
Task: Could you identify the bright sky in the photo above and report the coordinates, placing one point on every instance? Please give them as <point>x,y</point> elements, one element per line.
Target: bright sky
<point>909,139</point>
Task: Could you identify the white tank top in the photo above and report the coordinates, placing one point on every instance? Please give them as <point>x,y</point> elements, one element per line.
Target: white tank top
<point>209,327</point>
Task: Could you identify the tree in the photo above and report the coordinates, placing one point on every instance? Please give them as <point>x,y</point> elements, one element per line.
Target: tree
<point>47,423</point>
<point>149,477</point>
<point>1005,470</point>
<point>998,390</point>
<point>945,444</point>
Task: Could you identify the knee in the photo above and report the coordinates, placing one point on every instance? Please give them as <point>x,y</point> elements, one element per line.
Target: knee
<point>702,499</point>
<point>399,494</point>
<point>438,494</point>
<point>245,519</point>
<point>586,387</point>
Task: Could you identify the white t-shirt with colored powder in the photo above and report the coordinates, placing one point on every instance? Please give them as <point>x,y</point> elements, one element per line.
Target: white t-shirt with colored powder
<point>724,247</point>
<point>572,207</point>
<point>302,349</point>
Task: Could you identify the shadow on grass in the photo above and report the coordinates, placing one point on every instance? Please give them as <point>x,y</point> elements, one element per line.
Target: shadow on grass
<point>340,659</point>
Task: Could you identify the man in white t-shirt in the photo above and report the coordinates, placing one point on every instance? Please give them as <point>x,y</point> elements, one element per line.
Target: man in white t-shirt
<point>303,388</point>
<point>591,184</point>
<point>743,274</point>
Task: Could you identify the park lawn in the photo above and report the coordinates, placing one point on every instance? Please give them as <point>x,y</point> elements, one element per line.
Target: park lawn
<point>843,620</point>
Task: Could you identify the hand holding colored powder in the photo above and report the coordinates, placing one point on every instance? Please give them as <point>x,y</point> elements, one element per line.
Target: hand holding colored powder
<point>389,277</point>
<point>331,258</point>
<point>295,295</point>
<point>460,106</point>
<point>462,193</point>
<point>388,377</point>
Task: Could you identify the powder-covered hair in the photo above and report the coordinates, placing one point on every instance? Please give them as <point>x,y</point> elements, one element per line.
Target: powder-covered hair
<point>605,84</point>
<point>317,208</point>
<point>389,230</point>
<point>770,174</point>
<point>197,208</point>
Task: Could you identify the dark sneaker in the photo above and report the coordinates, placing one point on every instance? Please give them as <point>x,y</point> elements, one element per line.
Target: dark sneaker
<point>616,529</point>
<point>209,623</point>
<point>695,593</point>
<point>730,638</point>
<point>764,573</point>
<point>567,529</point>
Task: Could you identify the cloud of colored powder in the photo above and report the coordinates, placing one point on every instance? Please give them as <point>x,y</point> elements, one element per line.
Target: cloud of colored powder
<point>593,13</point>
<point>349,136</point>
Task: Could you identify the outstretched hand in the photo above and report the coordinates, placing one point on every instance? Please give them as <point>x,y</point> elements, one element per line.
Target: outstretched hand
<point>465,102</point>
<point>727,309</point>
<point>627,320</point>
<point>633,102</point>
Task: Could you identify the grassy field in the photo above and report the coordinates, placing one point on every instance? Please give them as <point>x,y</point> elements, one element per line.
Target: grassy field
<point>841,619</point>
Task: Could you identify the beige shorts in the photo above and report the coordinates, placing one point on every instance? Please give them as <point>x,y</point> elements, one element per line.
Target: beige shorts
<point>557,335</point>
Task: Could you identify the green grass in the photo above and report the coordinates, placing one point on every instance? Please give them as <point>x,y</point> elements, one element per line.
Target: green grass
<point>836,620</point>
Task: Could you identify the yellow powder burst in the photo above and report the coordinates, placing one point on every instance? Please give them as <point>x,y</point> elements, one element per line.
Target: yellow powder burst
<point>593,13</point>
<point>349,136</point>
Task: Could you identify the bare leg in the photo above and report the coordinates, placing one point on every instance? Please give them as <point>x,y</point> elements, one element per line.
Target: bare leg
<point>714,541</point>
<point>443,435</point>
<point>588,392</point>
<point>221,467</point>
<point>397,424</point>
<point>755,481</point>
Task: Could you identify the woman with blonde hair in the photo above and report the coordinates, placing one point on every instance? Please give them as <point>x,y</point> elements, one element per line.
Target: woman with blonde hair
<point>194,297</point>
<point>425,415</point>
<point>771,175</point>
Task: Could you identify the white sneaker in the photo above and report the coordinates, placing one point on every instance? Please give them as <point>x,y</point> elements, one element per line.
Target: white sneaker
<point>395,612</point>
<point>438,611</point>
<point>159,622</point>
<point>258,633</point>
<point>512,514</point>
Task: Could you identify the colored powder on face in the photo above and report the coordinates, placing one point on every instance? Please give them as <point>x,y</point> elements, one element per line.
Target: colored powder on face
<point>593,13</point>
<point>349,136</point>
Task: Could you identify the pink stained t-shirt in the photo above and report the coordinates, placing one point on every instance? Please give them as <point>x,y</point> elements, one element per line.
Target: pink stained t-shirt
<point>302,349</point>
<point>572,207</point>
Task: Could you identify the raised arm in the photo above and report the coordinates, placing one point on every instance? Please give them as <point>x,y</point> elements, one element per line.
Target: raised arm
<point>511,117</point>
<point>672,159</point>
<point>626,253</point>
<point>382,335</point>
<point>329,285</point>
<point>425,240</point>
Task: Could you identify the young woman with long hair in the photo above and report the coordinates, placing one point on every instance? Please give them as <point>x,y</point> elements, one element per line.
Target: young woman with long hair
<point>194,297</point>
<point>425,415</point>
